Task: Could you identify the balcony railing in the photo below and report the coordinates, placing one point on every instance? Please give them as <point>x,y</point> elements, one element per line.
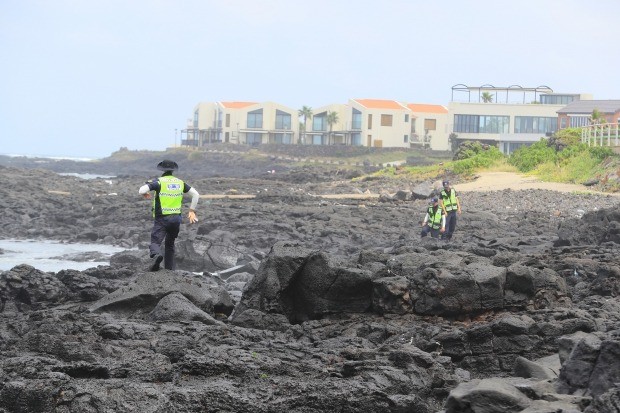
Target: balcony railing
<point>603,134</point>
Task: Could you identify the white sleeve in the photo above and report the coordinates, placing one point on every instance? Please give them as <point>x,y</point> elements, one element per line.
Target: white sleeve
<point>426,217</point>
<point>195,196</point>
<point>144,189</point>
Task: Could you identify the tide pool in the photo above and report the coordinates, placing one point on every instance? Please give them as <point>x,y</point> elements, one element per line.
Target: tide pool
<point>51,256</point>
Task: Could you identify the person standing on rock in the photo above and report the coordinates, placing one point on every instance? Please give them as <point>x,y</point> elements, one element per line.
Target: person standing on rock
<point>451,205</point>
<point>434,221</point>
<point>166,209</point>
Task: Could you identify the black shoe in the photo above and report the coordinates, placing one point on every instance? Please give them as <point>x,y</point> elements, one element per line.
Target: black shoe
<point>158,260</point>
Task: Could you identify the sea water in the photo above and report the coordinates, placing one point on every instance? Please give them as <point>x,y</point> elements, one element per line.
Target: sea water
<point>51,256</point>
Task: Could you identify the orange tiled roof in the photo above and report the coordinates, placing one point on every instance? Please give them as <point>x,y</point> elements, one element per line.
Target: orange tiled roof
<point>379,104</point>
<point>421,107</point>
<point>237,105</point>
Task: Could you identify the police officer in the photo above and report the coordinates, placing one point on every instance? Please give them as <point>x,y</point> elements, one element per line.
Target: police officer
<point>166,208</point>
<point>434,221</point>
<point>451,205</point>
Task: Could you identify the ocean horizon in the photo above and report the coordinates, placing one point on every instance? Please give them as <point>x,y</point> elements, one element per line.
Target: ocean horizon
<point>53,157</point>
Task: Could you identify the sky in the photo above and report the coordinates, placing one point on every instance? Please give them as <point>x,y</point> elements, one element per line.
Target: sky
<point>84,78</point>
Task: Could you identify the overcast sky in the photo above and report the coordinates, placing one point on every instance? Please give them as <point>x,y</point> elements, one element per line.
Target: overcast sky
<point>86,77</point>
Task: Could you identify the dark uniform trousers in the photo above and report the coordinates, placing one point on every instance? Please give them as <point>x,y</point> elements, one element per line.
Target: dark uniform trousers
<point>165,227</point>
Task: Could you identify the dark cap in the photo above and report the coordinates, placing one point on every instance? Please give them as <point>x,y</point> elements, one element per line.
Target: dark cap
<point>445,183</point>
<point>167,165</point>
<point>435,199</point>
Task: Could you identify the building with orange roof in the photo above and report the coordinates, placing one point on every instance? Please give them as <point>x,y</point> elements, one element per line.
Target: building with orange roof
<point>429,127</point>
<point>508,117</point>
<point>242,123</point>
<point>380,123</point>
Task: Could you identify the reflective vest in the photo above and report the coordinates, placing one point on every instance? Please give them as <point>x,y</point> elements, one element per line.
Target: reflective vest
<point>434,217</point>
<point>449,201</point>
<point>170,195</point>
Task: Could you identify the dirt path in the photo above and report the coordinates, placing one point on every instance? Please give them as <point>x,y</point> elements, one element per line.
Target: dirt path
<point>497,181</point>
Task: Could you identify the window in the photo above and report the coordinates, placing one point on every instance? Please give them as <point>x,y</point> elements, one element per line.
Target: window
<point>430,124</point>
<point>356,119</point>
<point>481,124</point>
<point>319,122</point>
<point>356,139</point>
<point>228,120</point>
<point>494,124</point>
<point>406,117</point>
<point>406,138</point>
<point>369,121</point>
<point>556,99</point>
<point>535,124</point>
<point>283,120</point>
<point>255,119</point>
<point>578,121</point>
<point>282,138</point>
<point>254,138</point>
<point>386,120</point>
<point>196,119</point>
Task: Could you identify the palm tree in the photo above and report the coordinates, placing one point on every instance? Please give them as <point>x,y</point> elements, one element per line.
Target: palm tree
<point>306,113</point>
<point>487,97</point>
<point>332,119</point>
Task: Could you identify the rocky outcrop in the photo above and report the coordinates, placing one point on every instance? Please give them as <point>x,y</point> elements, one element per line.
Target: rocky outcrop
<point>293,303</point>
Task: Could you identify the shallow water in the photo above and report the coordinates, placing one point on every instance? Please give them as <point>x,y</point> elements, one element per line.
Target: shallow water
<point>49,256</point>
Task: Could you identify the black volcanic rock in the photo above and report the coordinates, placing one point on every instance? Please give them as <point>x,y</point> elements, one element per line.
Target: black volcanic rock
<point>292,302</point>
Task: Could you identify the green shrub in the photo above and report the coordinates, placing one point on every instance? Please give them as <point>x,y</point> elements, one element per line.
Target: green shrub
<point>476,160</point>
<point>600,152</point>
<point>527,158</point>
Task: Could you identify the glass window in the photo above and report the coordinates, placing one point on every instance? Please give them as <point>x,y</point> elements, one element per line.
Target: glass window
<point>319,122</point>
<point>406,138</point>
<point>282,138</point>
<point>317,139</point>
<point>579,121</point>
<point>356,139</point>
<point>386,120</point>
<point>283,120</point>
<point>356,119</point>
<point>494,124</point>
<point>556,99</point>
<point>535,124</point>
<point>255,119</point>
<point>228,120</point>
<point>406,117</point>
<point>196,119</point>
<point>254,138</point>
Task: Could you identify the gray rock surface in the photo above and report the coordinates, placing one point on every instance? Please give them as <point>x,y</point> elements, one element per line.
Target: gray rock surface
<point>288,302</point>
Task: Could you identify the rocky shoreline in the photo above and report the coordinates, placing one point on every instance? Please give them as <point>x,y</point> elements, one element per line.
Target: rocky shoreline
<point>293,302</point>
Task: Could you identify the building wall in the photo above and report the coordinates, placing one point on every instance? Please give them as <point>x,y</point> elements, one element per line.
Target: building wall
<point>494,109</point>
<point>376,134</point>
<point>318,132</point>
<point>438,117</point>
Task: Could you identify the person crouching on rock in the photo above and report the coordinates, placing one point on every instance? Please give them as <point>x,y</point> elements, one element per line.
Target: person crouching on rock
<point>434,221</point>
<point>166,209</point>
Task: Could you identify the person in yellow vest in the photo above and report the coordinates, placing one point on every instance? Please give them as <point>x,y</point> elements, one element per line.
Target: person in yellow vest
<point>451,205</point>
<point>434,221</point>
<point>166,210</point>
